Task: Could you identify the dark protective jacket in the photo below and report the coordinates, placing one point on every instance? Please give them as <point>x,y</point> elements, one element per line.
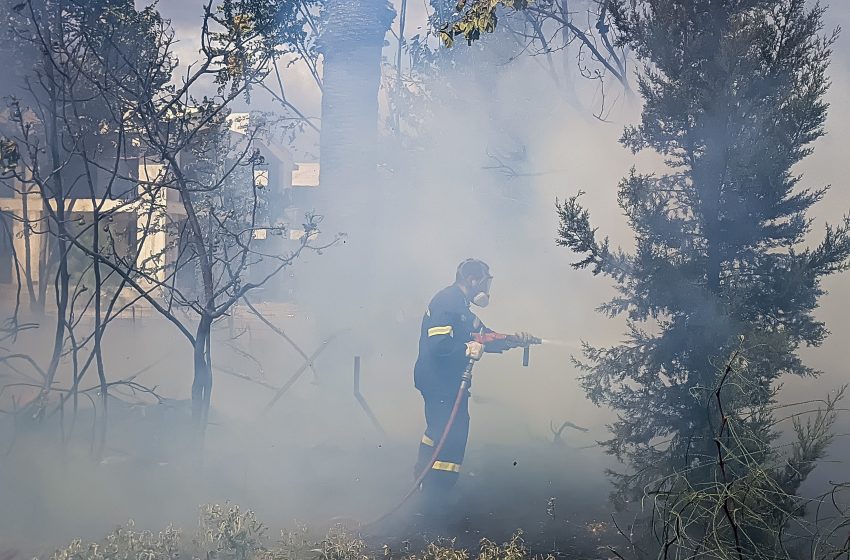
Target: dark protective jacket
<point>447,326</point>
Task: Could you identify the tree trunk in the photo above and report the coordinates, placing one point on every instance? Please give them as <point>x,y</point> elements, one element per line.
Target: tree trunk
<point>351,45</point>
<point>202,382</point>
<point>58,195</point>
<point>36,303</point>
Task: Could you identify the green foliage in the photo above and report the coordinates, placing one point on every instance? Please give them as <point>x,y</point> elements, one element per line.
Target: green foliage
<point>253,32</point>
<point>476,17</point>
<point>733,94</point>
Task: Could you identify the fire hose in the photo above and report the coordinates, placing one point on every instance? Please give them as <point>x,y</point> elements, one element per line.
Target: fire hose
<point>464,386</point>
<point>506,342</point>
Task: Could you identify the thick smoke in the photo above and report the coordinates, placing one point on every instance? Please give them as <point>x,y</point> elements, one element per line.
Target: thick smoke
<point>315,455</point>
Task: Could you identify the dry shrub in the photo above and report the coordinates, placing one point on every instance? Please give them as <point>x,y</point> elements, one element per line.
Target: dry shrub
<point>125,543</point>
<point>514,549</point>
<point>340,545</point>
<point>443,549</point>
<point>228,533</point>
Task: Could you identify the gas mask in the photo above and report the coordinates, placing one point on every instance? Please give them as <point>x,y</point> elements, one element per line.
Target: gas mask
<point>482,297</point>
<point>467,273</point>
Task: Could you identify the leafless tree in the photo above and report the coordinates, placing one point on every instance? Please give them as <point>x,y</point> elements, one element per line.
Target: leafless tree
<point>106,92</point>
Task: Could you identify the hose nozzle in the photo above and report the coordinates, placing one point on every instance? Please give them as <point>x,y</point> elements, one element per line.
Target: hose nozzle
<point>523,340</point>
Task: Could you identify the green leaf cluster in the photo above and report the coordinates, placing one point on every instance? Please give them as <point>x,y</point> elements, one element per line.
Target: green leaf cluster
<point>476,17</point>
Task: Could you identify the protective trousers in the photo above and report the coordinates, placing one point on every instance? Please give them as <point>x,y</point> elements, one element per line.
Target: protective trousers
<point>444,473</point>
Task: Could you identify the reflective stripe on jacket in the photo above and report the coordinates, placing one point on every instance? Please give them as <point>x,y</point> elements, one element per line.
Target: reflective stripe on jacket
<point>447,326</point>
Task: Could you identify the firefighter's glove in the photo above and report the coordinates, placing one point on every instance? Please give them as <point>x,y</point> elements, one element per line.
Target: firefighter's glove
<point>474,350</point>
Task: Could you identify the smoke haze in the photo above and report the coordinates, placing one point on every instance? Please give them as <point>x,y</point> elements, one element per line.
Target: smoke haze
<point>315,456</point>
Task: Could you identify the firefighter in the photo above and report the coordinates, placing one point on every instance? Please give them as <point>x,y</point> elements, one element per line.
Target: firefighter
<point>446,345</point>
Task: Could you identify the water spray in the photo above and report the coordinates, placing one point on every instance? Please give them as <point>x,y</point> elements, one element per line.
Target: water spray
<point>551,342</point>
